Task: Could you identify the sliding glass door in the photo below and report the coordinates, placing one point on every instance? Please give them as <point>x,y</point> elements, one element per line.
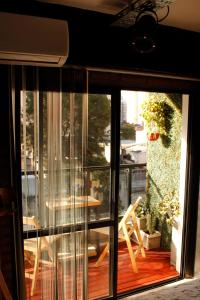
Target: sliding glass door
<point>101,172</point>
<point>66,190</point>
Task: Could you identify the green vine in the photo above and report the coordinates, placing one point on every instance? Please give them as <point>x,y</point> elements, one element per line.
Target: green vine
<point>168,208</point>
<point>157,115</point>
<point>163,164</point>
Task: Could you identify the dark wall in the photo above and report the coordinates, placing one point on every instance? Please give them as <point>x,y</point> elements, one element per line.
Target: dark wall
<point>177,51</point>
<point>4,129</point>
<point>10,236</point>
<point>94,42</point>
<point>6,216</point>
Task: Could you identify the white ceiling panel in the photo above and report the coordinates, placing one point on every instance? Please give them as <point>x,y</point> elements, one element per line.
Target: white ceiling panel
<point>184,14</point>
<point>104,6</point>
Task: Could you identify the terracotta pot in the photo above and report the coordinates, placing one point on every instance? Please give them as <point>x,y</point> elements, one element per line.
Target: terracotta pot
<point>142,222</point>
<point>151,241</point>
<point>153,136</point>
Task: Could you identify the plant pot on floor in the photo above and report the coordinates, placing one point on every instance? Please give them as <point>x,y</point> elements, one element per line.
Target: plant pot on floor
<point>142,222</point>
<point>151,241</point>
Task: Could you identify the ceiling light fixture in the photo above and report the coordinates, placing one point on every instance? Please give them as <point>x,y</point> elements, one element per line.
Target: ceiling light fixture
<point>143,34</point>
<point>141,16</point>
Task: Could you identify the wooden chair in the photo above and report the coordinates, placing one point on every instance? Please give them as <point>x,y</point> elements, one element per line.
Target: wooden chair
<point>127,226</point>
<point>35,247</point>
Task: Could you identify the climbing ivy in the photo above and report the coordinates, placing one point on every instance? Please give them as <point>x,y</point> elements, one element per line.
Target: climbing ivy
<point>163,164</point>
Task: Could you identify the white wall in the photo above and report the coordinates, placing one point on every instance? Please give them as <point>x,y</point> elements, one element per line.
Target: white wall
<point>176,245</point>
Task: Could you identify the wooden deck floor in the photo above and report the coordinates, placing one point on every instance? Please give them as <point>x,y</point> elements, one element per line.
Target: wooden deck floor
<point>154,268</point>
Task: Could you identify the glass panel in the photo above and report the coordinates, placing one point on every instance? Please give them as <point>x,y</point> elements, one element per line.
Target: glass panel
<point>151,196</point>
<point>99,152</point>
<point>123,191</point>
<point>99,181</point>
<point>138,182</point>
<point>47,168</point>
<point>55,200</point>
<point>29,158</point>
<point>98,265</point>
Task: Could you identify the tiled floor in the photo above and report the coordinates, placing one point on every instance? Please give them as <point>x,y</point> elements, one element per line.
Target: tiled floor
<point>186,289</point>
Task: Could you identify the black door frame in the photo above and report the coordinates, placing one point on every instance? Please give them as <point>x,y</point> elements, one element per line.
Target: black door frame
<point>113,83</point>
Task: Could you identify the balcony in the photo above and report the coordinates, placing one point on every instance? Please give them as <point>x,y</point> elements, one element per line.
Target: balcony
<point>155,267</point>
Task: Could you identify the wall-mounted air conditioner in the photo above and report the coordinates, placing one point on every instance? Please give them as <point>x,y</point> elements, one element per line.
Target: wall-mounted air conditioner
<point>33,40</point>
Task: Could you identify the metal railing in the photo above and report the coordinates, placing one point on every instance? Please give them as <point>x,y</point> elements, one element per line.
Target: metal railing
<point>132,184</point>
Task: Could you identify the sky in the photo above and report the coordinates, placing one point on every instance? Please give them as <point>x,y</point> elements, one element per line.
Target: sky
<point>134,100</point>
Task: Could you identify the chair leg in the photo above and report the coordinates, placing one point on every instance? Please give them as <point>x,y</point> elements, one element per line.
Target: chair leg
<point>103,254</point>
<point>35,272</point>
<point>130,250</point>
<point>139,238</point>
<point>141,247</point>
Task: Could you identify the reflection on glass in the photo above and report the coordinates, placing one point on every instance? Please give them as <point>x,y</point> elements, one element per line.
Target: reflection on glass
<point>99,190</point>
<point>98,269</point>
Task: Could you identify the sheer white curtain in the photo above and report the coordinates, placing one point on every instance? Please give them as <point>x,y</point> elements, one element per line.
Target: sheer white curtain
<point>53,152</point>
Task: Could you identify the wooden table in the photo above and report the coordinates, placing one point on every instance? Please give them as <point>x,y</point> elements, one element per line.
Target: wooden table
<point>68,202</point>
<point>57,206</point>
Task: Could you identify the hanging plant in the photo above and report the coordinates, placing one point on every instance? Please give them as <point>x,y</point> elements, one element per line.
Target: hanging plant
<point>155,115</point>
<point>153,136</point>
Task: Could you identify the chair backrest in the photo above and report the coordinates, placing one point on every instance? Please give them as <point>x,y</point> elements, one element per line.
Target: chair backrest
<point>31,221</point>
<point>130,212</point>
<point>42,242</point>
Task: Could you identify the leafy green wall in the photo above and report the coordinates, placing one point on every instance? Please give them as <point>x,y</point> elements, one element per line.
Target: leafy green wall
<point>163,162</point>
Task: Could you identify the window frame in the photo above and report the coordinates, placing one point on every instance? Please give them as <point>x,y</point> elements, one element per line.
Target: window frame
<point>112,83</point>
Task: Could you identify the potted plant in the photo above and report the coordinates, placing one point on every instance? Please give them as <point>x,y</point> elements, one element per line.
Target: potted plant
<point>163,212</point>
<point>150,236</point>
<point>153,136</point>
<point>147,221</point>
<point>155,113</point>
<point>141,212</point>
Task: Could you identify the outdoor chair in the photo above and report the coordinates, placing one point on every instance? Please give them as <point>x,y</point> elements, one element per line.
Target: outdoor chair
<point>34,247</point>
<point>127,226</point>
